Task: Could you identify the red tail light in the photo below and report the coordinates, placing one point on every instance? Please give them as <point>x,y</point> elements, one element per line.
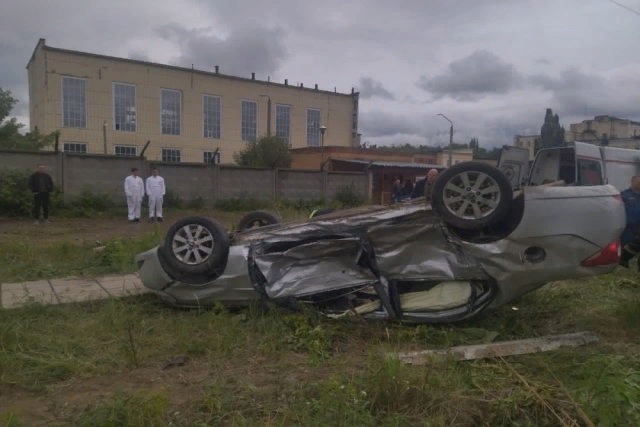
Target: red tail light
<point>608,256</point>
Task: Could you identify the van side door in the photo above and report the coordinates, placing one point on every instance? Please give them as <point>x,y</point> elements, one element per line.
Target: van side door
<point>620,165</point>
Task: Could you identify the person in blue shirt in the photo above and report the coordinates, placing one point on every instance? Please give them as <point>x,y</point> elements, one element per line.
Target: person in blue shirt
<point>631,199</point>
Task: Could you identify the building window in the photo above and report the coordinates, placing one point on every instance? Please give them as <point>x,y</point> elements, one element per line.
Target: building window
<point>313,128</point>
<point>75,147</point>
<point>212,157</point>
<point>283,122</point>
<point>171,155</point>
<point>124,107</point>
<point>249,120</point>
<point>126,150</point>
<point>74,102</point>
<point>171,102</point>
<point>211,113</point>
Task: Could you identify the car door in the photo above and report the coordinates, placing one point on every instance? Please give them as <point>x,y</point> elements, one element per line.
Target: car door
<point>589,166</point>
<point>514,163</point>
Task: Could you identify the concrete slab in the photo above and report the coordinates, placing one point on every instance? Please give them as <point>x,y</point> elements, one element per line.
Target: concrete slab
<point>122,285</point>
<point>77,290</point>
<point>18,294</point>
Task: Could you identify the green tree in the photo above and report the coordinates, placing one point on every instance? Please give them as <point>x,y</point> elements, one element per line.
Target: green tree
<point>551,133</point>
<point>266,152</point>
<point>10,136</point>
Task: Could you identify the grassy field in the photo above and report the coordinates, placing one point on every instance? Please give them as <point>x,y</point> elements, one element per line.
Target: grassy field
<point>136,362</point>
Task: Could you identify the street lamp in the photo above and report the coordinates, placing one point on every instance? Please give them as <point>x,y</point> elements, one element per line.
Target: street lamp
<point>450,137</point>
<point>268,114</point>
<point>323,129</point>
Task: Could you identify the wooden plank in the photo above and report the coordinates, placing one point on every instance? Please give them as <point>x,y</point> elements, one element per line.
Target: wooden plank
<point>500,349</point>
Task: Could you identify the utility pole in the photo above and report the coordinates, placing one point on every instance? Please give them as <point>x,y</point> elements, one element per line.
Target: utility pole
<point>104,136</point>
<point>323,129</point>
<point>450,138</point>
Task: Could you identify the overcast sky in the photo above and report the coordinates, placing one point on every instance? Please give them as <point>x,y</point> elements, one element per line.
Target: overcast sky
<point>491,66</point>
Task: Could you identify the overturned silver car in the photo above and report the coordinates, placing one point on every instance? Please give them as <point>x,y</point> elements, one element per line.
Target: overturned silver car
<point>478,245</point>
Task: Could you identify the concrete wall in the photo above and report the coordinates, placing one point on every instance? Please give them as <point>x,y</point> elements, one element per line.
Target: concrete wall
<point>49,65</point>
<point>104,174</point>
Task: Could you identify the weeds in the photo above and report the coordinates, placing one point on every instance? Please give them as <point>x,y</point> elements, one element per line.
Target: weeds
<point>124,409</point>
<point>27,261</point>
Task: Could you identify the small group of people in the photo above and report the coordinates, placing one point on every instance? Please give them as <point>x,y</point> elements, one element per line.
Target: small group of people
<point>412,191</point>
<point>135,189</point>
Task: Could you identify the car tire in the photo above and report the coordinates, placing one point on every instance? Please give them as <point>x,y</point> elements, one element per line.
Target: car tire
<point>320,212</point>
<point>257,219</point>
<point>195,250</point>
<point>472,195</point>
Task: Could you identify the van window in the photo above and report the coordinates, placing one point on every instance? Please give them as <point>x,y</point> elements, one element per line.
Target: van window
<point>589,172</point>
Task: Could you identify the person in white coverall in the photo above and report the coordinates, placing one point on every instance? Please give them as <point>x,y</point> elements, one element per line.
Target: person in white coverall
<point>155,191</point>
<point>134,190</point>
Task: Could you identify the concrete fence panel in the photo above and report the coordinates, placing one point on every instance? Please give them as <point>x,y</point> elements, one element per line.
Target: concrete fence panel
<point>296,185</point>
<point>100,174</point>
<point>105,174</point>
<point>339,181</point>
<point>235,182</point>
<point>187,181</point>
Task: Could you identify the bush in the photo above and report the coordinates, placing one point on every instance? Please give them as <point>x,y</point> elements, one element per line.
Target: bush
<point>15,198</point>
<point>241,204</point>
<point>348,197</point>
<point>172,200</point>
<point>302,204</point>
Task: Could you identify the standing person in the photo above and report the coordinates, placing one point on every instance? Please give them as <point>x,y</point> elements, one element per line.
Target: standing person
<point>631,199</point>
<point>408,187</point>
<point>41,184</point>
<point>155,191</point>
<point>134,190</point>
<point>432,175</point>
<point>397,192</point>
<point>424,186</point>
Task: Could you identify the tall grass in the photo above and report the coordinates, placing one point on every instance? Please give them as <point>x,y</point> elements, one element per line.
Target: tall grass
<point>275,367</point>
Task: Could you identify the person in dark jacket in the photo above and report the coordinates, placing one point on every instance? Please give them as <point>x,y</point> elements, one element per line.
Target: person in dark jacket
<point>423,187</point>
<point>41,184</point>
<point>630,239</point>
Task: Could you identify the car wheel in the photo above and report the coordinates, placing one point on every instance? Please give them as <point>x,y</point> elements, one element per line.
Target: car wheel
<point>258,219</point>
<point>319,212</point>
<point>472,195</point>
<point>195,250</point>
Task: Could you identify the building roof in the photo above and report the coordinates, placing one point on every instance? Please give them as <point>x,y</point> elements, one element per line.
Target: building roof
<point>402,165</point>
<point>42,43</point>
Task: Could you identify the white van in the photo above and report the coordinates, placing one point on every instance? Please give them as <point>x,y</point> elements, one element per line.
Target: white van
<point>578,163</point>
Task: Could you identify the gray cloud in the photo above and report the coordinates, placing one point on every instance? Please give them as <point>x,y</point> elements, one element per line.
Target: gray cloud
<point>480,73</point>
<point>577,93</point>
<point>378,123</point>
<point>139,55</point>
<point>255,49</point>
<point>370,88</point>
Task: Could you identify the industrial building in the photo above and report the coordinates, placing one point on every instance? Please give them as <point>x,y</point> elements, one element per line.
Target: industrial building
<point>109,105</point>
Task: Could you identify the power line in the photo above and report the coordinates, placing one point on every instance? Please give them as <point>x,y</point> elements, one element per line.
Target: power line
<point>625,7</point>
